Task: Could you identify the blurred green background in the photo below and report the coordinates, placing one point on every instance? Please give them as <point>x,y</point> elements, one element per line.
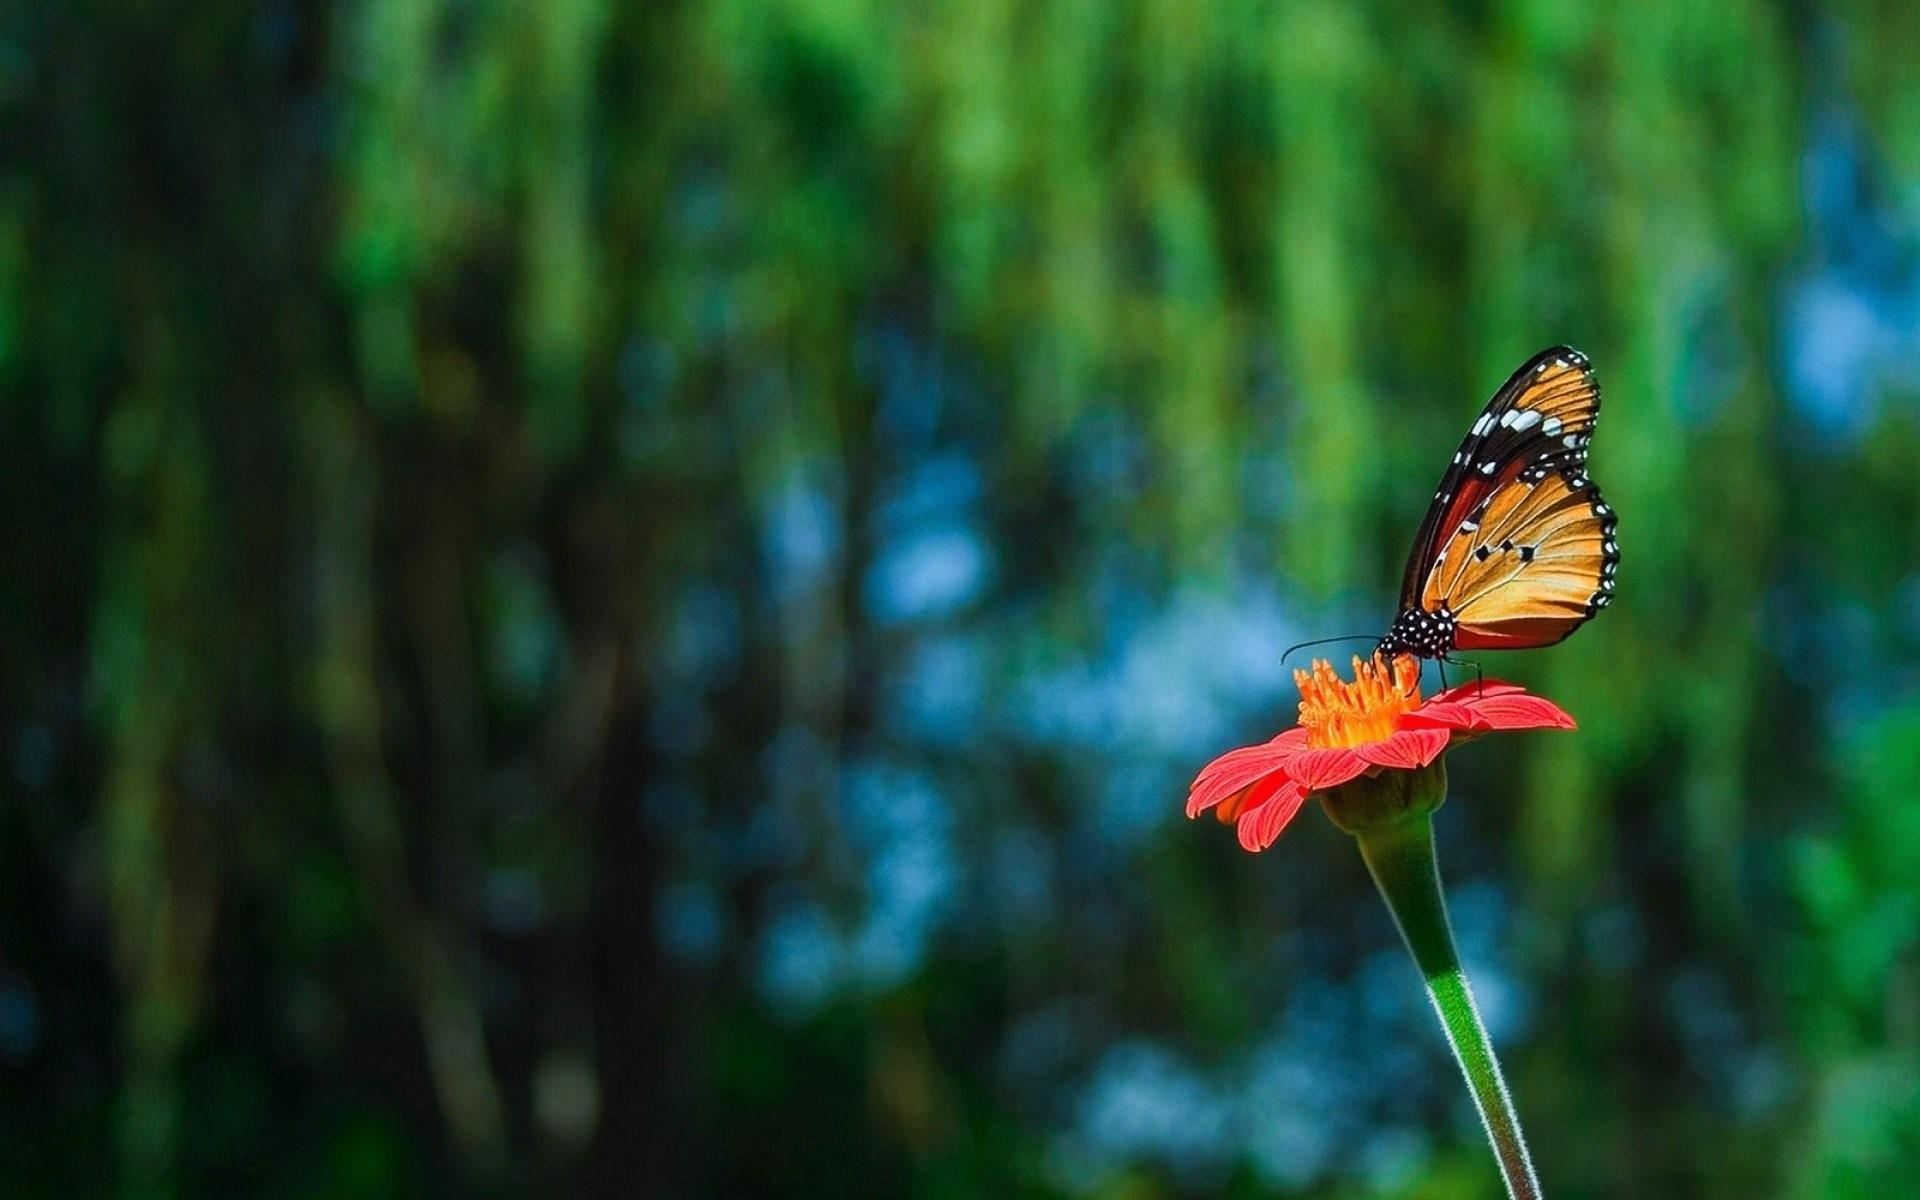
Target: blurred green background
<point>618,599</point>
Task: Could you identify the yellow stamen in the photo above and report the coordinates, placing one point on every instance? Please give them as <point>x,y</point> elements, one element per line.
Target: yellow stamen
<point>1337,713</point>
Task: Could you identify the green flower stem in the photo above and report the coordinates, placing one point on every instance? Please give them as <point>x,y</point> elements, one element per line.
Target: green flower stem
<point>1399,853</point>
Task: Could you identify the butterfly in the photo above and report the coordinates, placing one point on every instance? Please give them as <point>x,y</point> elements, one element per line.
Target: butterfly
<point>1517,549</point>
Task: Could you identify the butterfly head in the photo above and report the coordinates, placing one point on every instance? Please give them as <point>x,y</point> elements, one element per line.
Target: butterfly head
<point>1418,632</point>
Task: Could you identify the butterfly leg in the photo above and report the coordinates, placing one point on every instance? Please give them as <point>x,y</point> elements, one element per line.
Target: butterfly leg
<point>1479,679</point>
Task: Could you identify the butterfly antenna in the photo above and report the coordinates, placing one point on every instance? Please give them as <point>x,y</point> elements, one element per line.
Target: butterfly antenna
<point>1352,637</point>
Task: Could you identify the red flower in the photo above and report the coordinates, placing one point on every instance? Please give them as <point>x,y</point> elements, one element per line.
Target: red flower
<point>1376,723</point>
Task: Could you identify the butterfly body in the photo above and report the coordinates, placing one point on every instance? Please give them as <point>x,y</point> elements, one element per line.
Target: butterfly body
<point>1417,631</point>
<point>1517,549</point>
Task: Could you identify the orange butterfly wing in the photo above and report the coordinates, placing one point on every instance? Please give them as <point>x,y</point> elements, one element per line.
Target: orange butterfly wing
<point>1538,421</point>
<point>1517,549</point>
<point>1541,419</point>
<point>1538,564</point>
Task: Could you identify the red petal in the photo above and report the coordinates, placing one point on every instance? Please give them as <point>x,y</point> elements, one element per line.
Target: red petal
<point>1438,714</point>
<point>1322,769</point>
<point>1236,769</point>
<point>1204,796</point>
<point>1493,705</point>
<point>1290,739</point>
<point>1518,710</point>
<point>1478,688</point>
<point>1259,826</point>
<point>1251,796</point>
<point>1406,749</point>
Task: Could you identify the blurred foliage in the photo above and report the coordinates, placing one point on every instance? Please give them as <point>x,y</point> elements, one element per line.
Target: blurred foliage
<point>619,598</point>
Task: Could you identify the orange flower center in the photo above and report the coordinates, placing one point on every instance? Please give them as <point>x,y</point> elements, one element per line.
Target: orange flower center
<point>1336,713</point>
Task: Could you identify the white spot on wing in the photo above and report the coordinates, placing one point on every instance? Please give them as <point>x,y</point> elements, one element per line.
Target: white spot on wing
<point>1550,427</point>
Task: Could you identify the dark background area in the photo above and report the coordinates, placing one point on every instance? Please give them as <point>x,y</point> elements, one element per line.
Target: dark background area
<point>619,600</point>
